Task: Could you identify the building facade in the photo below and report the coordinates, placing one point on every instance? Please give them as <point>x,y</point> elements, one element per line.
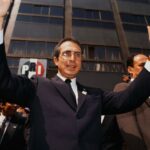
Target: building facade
<point>109,30</point>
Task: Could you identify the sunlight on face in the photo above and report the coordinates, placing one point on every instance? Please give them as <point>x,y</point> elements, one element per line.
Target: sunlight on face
<point>69,60</point>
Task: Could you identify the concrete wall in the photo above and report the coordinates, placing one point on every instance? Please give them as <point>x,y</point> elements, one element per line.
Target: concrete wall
<point>92,4</point>
<point>134,8</point>
<point>106,81</point>
<point>96,36</point>
<point>48,2</point>
<point>38,31</point>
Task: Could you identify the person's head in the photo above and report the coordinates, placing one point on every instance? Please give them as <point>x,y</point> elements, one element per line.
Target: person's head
<point>68,57</point>
<point>135,64</point>
<point>125,78</point>
<point>9,109</point>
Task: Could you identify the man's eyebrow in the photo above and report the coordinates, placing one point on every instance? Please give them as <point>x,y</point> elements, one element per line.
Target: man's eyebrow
<point>142,64</point>
<point>72,50</point>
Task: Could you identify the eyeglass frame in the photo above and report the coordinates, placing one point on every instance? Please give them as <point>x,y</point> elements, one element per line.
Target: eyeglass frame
<point>68,53</point>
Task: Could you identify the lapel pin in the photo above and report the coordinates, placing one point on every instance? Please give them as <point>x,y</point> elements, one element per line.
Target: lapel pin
<point>84,92</point>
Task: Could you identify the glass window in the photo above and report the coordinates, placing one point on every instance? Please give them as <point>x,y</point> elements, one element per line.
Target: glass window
<point>51,64</point>
<point>85,13</point>
<point>17,47</point>
<point>31,48</point>
<point>36,9</point>
<point>116,67</point>
<point>80,23</point>
<point>133,18</point>
<point>139,50</point>
<point>39,19</point>
<point>24,18</point>
<point>50,48</point>
<point>91,23</point>
<point>26,8</point>
<point>135,50</point>
<point>99,52</point>
<point>36,48</point>
<point>56,11</point>
<point>84,23</point>
<point>88,14</point>
<point>84,51</point>
<point>113,53</point>
<point>91,14</point>
<point>79,13</point>
<point>12,62</point>
<point>96,52</point>
<point>141,1</point>
<point>106,15</point>
<point>45,10</point>
<point>99,67</point>
<point>95,15</point>
<point>107,25</point>
<point>58,21</point>
<point>88,66</point>
<point>102,67</point>
<point>136,28</point>
<point>91,52</point>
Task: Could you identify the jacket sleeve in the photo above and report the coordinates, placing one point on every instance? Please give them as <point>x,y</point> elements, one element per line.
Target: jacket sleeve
<point>14,88</point>
<point>130,98</point>
<point>128,126</point>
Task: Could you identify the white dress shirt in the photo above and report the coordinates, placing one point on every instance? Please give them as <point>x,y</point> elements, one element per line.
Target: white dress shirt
<point>2,118</point>
<point>1,36</point>
<point>73,85</point>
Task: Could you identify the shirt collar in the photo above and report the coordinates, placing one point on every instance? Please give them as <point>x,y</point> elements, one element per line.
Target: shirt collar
<point>73,81</point>
<point>132,79</point>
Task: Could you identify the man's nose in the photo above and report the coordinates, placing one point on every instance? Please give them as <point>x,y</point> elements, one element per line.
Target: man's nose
<point>72,57</point>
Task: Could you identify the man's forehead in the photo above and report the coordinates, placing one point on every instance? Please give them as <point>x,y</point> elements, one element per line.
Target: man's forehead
<point>69,45</point>
<point>69,42</point>
<point>140,57</point>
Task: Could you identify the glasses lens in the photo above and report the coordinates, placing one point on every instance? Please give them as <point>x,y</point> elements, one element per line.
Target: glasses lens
<point>68,54</point>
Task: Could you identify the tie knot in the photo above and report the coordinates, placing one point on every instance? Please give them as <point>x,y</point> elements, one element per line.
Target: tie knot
<point>68,81</point>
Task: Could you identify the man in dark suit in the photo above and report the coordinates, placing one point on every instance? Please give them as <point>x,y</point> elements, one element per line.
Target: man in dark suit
<point>111,135</point>
<point>135,125</point>
<point>59,120</point>
<point>12,129</point>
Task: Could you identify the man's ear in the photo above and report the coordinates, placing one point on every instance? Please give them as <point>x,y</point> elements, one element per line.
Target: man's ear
<point>55,60</point>
<point>130,70</point>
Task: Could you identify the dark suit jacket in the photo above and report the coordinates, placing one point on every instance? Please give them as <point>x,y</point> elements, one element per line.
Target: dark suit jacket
<point>111,135</point>
<point>56,124</point>
<point>13,134</point>
<point>135,125</point>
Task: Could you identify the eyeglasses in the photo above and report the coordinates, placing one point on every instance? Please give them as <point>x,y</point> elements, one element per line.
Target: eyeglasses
<point>142,64</point>
<point>67,54</point>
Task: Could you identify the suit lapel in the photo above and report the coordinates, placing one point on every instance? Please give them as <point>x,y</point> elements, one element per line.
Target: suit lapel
<point>64,91</point>
<point>62,88</point>
<point>82,96</point>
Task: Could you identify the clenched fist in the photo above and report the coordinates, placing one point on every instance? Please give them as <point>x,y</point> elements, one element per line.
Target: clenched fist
<point>4,6</point>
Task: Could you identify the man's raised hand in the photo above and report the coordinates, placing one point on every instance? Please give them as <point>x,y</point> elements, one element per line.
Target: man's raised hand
<point>4,6</point>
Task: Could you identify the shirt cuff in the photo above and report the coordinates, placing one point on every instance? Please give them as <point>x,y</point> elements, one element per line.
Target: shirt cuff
<point>147,66</point>
<point>1,37</point>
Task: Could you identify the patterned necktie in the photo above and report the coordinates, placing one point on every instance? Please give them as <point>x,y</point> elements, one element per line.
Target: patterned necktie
<point>68,82</point>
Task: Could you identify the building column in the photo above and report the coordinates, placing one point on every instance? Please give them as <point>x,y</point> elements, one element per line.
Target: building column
<point>11,23</point>
<point>67,18</point>
<point>120,31</point>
